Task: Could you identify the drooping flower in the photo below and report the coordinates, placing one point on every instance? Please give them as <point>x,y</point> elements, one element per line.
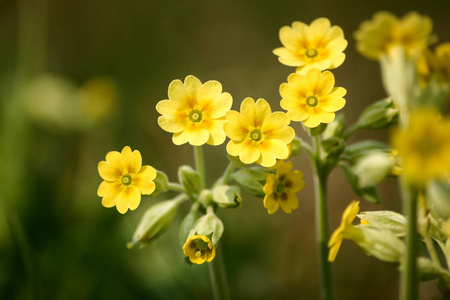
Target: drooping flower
<point>257,134</point>
<point>312,98</point>
<point>124,180</point>
<point>281,189</point>
<point>377,36</point>
<point>437,62</point>
<point>199,249</point>
<point>344,230</point>
<point>195,112</point>
<point>424,147</point>
<point>318,45</point>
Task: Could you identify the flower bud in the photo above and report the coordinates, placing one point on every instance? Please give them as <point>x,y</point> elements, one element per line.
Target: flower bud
<point>208,225</point>
<point>392,221</point>
<point>335,128</point>
<point>190,179</point>
<point>373,168</point>
<point>379,115</point>
<point>227,196</point>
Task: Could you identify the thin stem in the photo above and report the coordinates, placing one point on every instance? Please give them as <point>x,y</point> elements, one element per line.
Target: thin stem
<point>350,131</point>
<point>176,187</point>
<point>200,164</point>
<point>321,216</point>
<point>226,174</point>
<point>307,147</point>
<point>218,277</point>
<point>409,288</point>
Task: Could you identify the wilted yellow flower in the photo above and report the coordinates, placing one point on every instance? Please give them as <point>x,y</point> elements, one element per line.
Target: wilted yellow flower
<point>199,249</point>
<point>98,99</point>
<point>437,62</point>
<point>424,147</point>
<point>257,134</point>
<point>318,45</point>
<point>343,230</point>
<point>125,179</point>
<point>375,37</point>
<point>281,189</point>
<point>312,98</point>
<point>195,112</point>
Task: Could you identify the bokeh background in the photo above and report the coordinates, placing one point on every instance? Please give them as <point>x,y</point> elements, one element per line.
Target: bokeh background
<point>81,78</point>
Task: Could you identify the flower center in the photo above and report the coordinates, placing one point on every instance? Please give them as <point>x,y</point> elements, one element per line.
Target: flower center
<point>311,53</point>
<point>195,116</point>
<point>312,101</point>
<point>127,179</point>
<point>256,135</point>
<point>198,253</point>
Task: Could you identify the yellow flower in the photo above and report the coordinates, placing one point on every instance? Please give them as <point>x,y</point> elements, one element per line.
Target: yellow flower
<point>318,45</point>
<point>424,147</point>
<point>342,231</point>
<point>437,62</point>
<point>195,112</point>
<point>257,134</point>
<point>312,98</point>
<point>199,249</point>
<point>375,37</point>
<point>125,179</point>
<point>281,189</point>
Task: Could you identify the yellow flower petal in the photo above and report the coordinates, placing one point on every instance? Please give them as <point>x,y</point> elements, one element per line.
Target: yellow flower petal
<point>334,251</point>
<point>192,85</point>
<point>288,38</point>
<point>319,28</point>
<point>108,172</point>
<point>270,204</point>
<point>216,133</point>
<point>177,91</point>
<point>271,150</point>
<point>209,91</point>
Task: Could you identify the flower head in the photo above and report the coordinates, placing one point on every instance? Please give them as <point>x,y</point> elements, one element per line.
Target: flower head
<point>424,147</point>
<point>437,62</point>
<point>281,189</point>
<point>195,112</point>
<point>375,37</point>
<point>125,179</point>
<point>199,249</point>
<point>318,45</point>
<point>257,134</point>
<point>341,232</point>
<point>312,98</point>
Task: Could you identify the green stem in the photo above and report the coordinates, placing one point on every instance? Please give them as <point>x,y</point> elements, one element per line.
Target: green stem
<point>200,164</point>
<point>218,278</point>
<point>409,287</point>
<point>226,174</point>
<point>350,131</point>
<point>176,187</point>
<point>321,216</point>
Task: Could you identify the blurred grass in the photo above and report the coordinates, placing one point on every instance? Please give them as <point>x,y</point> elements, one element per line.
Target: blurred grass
<point>58,242</point>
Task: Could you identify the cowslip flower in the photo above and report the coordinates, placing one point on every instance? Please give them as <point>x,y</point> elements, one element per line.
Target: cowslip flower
<point>257,134</point>
<point>195,112</point>
<point>124,180</point>
<point>199,249</point>
<point>312,98</point>
<point>424,147</point>
<point>318,45</point>
<point>281,189</point>
<point>344,230</point>
<point>377,36</point>
<point>437,62</point>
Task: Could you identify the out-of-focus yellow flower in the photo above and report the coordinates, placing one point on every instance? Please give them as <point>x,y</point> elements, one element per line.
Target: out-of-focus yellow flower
<point>281,189</point>
<point>125,179</point>
<point>199,249</point>
<point>344,230</point>
<point>312,98</point>
<point>318,45</point>
<point>437,62</point>
<point>375,37</point>
<point>98,98</point>
<point>424,147</point>
<point>195,112</point>
<point>257,134</point>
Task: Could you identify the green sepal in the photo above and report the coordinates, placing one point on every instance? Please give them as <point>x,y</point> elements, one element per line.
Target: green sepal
<point>428,270</point>
<point>438,195</point>
<point>252,180</point>
<point>190,179</point>
<point>379,115</point>
<point>316,130</point>
<point>369,193</point>
<point>433,96</point>
<point>227,196</point>
<point>332,148</point>
<point>335,128</point>
<point>161,183</point>
<point>372,168</point>
<point>392,221</point>
<point>209,225</point>
<point>186,225</point>
<point>357,150</point>
<point>296,147</point>
<point>236,161</point>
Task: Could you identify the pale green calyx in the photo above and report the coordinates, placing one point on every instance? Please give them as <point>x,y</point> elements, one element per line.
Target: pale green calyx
<point>227,196</point>
<point>190,179</point>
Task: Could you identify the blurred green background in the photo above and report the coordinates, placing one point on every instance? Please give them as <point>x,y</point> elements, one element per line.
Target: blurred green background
<point>58,242</point>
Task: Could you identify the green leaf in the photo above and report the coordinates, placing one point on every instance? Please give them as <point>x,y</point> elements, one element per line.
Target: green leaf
<point>357,150</point>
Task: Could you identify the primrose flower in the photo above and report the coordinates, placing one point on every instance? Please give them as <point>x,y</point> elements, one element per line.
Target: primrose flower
<point>312,98</point>
<point>344,230</point>
<point>199,249</point>
<point>318,45</point>
<point>375,37</point>
<point>281,189</point>
<point>435,62</point>
<point>257,134</point>
<point>424,147</point>
<point>125,179</point>
<point>195,112</point>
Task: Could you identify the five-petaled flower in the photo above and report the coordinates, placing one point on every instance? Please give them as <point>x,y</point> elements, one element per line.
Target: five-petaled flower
<point>281,189</point>
<point>318,45</point>
<point>257,134</point>
<point>195,112</point>
<point>125,179</point>
<point>424,147</point>
<point>312,98</point>
<point>199,249</point>
<point>344,230</point>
